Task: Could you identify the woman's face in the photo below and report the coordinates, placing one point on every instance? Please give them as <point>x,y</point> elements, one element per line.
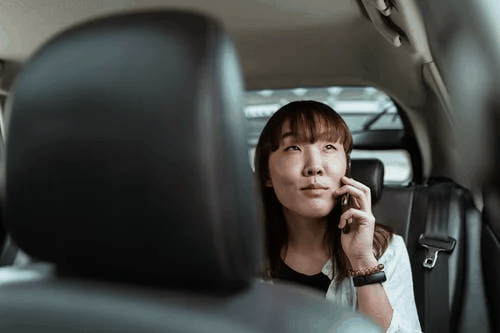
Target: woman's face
<point>304,175</point>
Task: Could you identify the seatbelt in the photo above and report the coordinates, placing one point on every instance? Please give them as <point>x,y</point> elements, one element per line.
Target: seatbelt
<point>436,240</point>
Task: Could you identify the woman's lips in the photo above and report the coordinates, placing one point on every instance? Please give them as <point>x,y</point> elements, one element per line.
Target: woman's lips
<point>314,192</point>
<point>314,186</point>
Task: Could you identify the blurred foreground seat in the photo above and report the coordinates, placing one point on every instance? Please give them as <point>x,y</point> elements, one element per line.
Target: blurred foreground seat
<point>128,179</point>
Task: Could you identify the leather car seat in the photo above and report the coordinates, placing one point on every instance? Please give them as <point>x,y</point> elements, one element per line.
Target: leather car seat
<point>450,295</point>
<point>370,172</point>
<point>128,180</point>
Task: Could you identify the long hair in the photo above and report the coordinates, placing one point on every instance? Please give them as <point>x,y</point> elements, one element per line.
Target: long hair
<point>308,121</point>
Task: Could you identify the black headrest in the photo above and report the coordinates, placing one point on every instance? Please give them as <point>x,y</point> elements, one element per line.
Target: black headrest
<point>127,155</point>
<point>369,171</point>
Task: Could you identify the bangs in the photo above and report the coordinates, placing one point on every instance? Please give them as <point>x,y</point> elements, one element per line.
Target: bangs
<point>306,121</point>
<point>312,123</point>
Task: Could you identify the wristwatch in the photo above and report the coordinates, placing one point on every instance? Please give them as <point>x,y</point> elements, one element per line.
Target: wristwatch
<point>377,277</point>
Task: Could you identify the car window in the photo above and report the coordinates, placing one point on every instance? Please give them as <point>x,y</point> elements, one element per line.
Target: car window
<point>356,105</point>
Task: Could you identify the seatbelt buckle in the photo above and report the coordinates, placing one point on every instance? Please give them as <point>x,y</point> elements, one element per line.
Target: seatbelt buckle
<point>434,246</point>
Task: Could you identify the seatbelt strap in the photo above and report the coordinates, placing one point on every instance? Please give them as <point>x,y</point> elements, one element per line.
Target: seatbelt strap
<point>436,241</point>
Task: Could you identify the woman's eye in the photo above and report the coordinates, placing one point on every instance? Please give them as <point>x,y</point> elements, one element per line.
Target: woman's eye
<point>330,147</point>
<point>291,148</point>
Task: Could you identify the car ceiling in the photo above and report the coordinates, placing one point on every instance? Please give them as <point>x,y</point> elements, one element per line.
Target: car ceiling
<point>282,43</point>
<point>286,44</point>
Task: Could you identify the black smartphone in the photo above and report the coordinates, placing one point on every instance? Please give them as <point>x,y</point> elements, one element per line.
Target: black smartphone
<point>345,200</point>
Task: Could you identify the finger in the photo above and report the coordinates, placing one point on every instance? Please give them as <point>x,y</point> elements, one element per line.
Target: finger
<point>355,203</point>
<point>355,183</point>
<point>355,216</point>
<point>362,187</point>
<point>361,199</point>
<point>346,218</point>
<point>346,225</point>
<point>382,7</point>
<point>346,228</point>
<point>348,189</point>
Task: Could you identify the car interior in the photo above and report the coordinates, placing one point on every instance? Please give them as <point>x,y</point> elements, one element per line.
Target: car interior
<point>128,200</point>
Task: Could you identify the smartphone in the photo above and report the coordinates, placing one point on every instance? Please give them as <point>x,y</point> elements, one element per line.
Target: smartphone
<point>345,202</point>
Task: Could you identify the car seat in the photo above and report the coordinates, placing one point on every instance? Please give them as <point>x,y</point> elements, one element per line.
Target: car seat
<point>127,178</point>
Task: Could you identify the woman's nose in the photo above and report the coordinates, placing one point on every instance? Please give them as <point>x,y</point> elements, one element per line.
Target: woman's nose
<point>313,166</point>
<point>313,170</point>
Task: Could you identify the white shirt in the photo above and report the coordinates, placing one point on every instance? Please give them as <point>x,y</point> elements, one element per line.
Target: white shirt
<point>399,288</point>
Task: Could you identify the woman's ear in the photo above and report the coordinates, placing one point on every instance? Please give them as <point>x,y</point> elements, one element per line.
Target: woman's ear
<point>268,183</point>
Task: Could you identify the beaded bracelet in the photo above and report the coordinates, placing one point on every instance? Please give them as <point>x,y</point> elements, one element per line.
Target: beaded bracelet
<point>366,271</point>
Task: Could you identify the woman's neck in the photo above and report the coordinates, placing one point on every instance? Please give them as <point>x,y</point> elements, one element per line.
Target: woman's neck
<point>306,235</point>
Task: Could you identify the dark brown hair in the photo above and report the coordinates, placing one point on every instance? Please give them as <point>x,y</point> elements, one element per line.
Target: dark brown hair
<point>308,121</point>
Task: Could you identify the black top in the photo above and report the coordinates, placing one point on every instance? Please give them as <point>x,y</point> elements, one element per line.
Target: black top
<point>318,281</point>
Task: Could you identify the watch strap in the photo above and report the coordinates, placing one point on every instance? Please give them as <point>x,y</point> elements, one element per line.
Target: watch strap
<point>377,277</point>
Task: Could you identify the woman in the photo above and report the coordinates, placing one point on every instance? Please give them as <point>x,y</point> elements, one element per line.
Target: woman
<point>301,160</point>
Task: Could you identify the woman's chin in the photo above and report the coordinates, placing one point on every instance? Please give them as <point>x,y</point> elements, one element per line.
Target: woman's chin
<point>315,212</point>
